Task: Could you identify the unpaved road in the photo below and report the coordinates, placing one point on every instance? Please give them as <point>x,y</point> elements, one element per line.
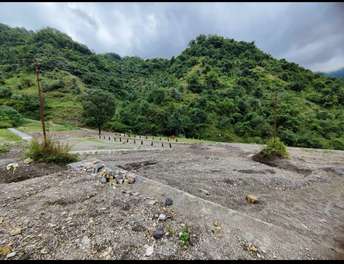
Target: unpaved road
<point>69,215</point>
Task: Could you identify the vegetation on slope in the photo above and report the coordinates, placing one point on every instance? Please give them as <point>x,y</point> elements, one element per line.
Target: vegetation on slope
<point>217,89</point>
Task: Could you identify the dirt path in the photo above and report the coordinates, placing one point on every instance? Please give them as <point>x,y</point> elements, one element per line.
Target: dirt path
<point>20,134</point>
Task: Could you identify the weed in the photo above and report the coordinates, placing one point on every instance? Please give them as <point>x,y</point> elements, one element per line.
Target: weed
<point>4,148</point>
<point>52,152</point>
<point>274,148</point>
<point>184,237</point>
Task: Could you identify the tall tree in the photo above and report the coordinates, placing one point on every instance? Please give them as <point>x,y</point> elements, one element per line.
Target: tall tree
<point>99,108</point>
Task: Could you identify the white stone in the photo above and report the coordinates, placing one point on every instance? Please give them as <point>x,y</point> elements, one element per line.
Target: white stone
<point>149,251</point>
<point>11,255</point>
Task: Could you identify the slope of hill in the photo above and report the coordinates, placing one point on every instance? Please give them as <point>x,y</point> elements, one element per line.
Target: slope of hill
<point>217,89</point>
<point>336,74</point>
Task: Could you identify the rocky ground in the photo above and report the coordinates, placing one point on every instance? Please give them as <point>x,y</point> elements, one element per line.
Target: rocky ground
<point>69,213</point>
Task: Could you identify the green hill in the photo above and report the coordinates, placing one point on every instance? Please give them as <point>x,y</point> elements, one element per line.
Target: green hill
<point>216,89</point>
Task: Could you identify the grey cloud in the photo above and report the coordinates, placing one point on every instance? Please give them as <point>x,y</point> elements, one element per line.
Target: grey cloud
<point>84,16</point>
<point>309,34</point>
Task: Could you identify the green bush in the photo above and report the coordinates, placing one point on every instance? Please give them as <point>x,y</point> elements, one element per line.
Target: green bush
<point>25,83</point>
<point>4,148</point>
<point>184,237</point>
<point>9,117</point>
<point>52,152</point>
<point>5,92</point>
<point>274,148</point>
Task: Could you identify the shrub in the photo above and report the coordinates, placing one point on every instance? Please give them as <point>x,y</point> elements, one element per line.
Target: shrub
<point>5,92</point>
<point>52,152</point>
<point>25,83</point>
<point>184,237</point>
<point>53,85</point>
<point>274,149</point>
<point>4,148</point>
<point>9,117</point>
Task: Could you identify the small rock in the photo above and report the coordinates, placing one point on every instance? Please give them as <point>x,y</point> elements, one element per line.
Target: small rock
<point>204,191</point>
<point>15,231</point>
<point>120,181</point>
<point>98,168</point>
<point>28,160</point>
<point>162,217</point>
<point>251,199</point>
<point>168,202</point>
<point>119,177</point>
<point>151,202</point>
<point>106,254</point>
<point>5,250</point>
<point>1,220</point>
<point>252,248</point>
<point>103,179</point>
<point>12,166</point>
<point>11,255</point>
<point>125,207</point>
<point>138,228</point>
<point>159,232</point>
<point>85,243</point>
<point>149,251</point>
<point>131,178</point>
<point>44,251</point>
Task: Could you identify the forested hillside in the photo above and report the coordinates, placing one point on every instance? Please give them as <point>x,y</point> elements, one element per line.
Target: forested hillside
<point>217,88</point>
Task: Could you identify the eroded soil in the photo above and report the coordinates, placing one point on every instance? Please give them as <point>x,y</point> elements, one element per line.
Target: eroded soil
<point>71,215</point>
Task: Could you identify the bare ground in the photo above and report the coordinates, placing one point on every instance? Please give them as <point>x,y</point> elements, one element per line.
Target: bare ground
<point>70,215</point>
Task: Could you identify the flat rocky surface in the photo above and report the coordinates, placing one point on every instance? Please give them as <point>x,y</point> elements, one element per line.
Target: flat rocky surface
<point>70,214</point>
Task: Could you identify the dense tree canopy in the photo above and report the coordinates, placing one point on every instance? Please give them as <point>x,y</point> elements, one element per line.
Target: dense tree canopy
<point>217,88</point>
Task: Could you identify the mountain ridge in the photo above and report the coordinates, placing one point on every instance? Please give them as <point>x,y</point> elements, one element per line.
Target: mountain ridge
<point>216,88</point>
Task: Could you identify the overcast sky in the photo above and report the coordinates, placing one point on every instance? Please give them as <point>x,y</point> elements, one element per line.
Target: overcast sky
<point>310,34</point>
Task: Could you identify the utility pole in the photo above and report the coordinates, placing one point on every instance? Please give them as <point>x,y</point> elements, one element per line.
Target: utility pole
<point>274,106</point>
<point>41,102</point>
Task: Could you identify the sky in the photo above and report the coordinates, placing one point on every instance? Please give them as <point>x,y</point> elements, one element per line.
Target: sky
<point>309,34</point>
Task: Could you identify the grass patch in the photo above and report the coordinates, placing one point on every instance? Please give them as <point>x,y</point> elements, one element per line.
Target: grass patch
<point>52,152</point>
<point>8,136</point>
<point>184,237</point>
<point>30,126</point>
<point>4,148</point>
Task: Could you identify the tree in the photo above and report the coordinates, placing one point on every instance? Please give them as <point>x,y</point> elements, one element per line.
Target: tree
<point>194,83</point>
<point>99,108</point>
<point>9,117</point>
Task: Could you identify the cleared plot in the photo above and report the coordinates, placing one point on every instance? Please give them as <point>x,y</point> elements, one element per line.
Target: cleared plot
<point>308,201</point>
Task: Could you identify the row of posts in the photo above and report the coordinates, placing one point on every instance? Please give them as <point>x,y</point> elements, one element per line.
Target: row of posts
<point>141,138</point>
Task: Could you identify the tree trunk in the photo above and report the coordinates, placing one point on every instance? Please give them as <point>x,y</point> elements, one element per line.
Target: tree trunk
<point>99,130</point>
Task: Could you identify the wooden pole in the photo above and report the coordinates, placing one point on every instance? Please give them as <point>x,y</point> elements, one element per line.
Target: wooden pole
<point>275,114</point>
<point>41,103</point>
